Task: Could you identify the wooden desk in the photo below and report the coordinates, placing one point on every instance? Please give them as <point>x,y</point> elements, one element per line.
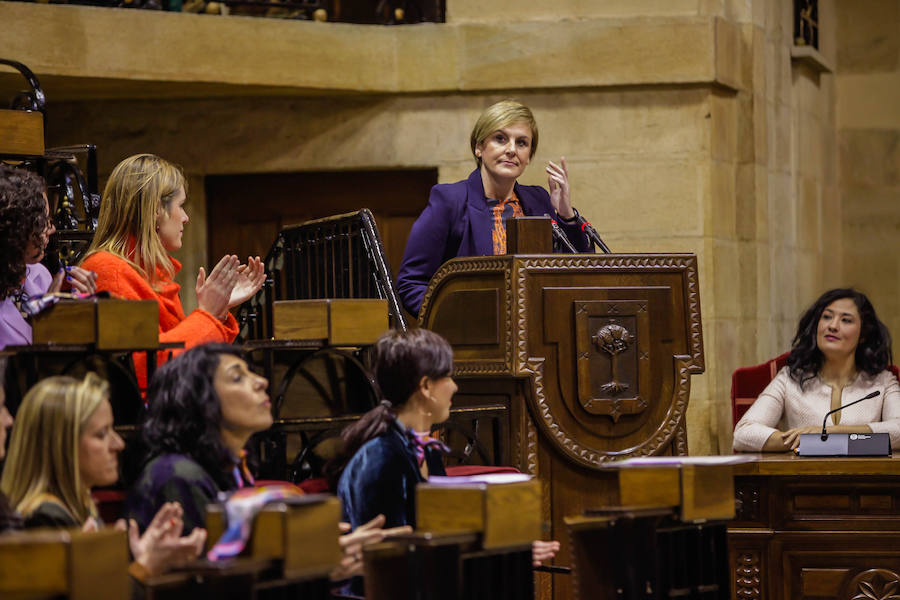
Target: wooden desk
<point>816,528</point>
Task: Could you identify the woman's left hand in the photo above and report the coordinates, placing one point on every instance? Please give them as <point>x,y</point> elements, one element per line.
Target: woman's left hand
<point>79,280</point>
<point>558,181</point>
<point>541,551</point>
<point>251,277</point>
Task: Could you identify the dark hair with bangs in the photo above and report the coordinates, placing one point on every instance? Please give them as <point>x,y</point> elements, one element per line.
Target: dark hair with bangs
<point>401,360</point>
<point>185,414</point>
<point>873,353</point>
<point>22,222</point>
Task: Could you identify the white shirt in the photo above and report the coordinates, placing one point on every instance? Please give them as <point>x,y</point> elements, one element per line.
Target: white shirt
<point>783,405</point>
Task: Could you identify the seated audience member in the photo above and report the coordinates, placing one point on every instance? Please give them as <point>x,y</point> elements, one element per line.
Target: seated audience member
<point>204,406</point>
<point>25,228</point>
<point>390,446</point>
<point>9,518</point>
<point>142,217</point>
<point>840,354</point>
<point>63,445</point>
<point>468,218</point>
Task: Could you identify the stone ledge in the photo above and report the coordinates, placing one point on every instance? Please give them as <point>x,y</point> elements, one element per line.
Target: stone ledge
<point>90,52</point>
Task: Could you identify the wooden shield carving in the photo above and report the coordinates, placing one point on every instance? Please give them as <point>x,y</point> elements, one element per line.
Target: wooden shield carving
<point>613,350</point>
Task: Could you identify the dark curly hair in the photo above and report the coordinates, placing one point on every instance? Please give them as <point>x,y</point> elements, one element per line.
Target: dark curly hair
<point>873,354</point>
<point>22,222</point>
<point>402,359</point>
<point>185,414</point>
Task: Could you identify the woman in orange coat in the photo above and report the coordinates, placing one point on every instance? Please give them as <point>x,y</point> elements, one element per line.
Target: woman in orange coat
<point>142,218</point>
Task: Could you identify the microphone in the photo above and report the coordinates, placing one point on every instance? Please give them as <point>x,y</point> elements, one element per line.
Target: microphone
<point>592,234</point>
<point>840,408</point>
<point>560,236</point>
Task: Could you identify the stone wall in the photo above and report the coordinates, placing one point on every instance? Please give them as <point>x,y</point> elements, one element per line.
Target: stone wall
<point>868,120</point>
<point>686,124</point>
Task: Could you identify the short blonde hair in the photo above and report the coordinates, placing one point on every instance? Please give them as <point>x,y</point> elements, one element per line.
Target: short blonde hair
<point>500,115</point>
<point>43,448</point>
<point>139,189</point>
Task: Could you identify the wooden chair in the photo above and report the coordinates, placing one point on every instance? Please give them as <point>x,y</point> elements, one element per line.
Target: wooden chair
<point>748,382</point>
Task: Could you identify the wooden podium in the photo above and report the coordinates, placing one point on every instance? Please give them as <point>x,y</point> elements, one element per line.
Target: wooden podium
<point>588,358</point>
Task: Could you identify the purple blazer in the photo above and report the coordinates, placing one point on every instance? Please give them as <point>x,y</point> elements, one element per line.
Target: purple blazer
<point>14,329</point>
<point>457,222</point>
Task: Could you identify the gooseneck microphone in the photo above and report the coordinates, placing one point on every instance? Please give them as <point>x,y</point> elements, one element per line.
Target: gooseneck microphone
<point>840,408</point>
<point>592,234</point>
<point>559,236</point>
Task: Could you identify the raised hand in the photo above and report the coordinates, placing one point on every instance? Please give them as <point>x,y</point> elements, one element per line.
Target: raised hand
<point>558,182</point>
<point>250,278</point>
<point>214,292</point>
<point>162,546</point>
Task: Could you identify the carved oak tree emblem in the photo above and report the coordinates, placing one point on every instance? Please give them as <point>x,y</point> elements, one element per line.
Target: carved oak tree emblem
<point>612,345</point>
<point>613,339</point>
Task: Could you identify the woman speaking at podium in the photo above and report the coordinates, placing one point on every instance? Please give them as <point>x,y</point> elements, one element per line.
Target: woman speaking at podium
<point>840,354</point>
<point>468,218</point>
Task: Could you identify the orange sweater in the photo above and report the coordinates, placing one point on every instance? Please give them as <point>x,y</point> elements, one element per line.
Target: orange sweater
<point>117,277</point>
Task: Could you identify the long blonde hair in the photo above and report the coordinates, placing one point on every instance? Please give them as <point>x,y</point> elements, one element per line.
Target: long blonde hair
<point>139,189</point>
<point>43,449</point>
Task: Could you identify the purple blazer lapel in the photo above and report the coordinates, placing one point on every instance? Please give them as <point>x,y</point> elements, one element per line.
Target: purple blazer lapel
<point>479,216</point>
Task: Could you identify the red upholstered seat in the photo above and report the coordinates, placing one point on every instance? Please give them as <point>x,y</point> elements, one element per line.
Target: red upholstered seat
<point>468,470</point>
<point>748,382</point>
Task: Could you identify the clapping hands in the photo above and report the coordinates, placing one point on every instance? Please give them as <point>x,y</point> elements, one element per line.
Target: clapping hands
<point>162,547</point>
<point>229,284</point>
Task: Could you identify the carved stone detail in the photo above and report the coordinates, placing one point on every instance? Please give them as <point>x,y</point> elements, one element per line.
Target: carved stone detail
<point>747,579</point>
<point>875,584</point>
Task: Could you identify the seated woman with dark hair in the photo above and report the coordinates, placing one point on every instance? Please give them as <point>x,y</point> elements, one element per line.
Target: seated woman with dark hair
<point>25,228</point>
<point>63,445</point>
<point>390,447</point>
<point>204,406</point>
<point>841,353</point>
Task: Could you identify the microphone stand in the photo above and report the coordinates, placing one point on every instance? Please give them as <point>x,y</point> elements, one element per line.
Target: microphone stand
<point>560,237</point>
<point>840,408</point>
<point>592,234</point>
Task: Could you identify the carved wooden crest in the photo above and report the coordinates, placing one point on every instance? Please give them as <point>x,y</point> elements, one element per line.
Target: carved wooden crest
<point>613,352</point>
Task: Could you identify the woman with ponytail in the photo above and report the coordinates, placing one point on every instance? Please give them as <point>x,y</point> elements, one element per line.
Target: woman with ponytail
<point>390,449</point>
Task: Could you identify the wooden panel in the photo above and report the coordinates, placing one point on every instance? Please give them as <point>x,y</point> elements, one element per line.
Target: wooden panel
<point>68,322</point>
<point>707,492</point>
<point>21,132</point>
<point>822,583</point>
<point>98,566</point>
<point>529,235</point>
<point>341,322</point>
<point>507,514</point>
<point>124,324</point>
<point>470,318</point>
<point>828,502</point>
